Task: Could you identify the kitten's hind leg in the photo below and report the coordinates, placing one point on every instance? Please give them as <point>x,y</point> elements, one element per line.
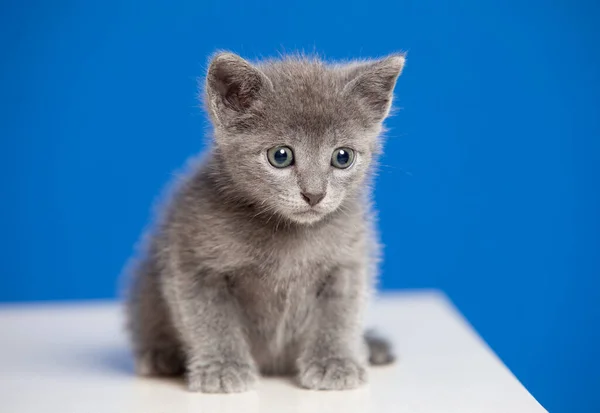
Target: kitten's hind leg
<point>380,350</point>
<point>160,362</point>
<point>157,351</point>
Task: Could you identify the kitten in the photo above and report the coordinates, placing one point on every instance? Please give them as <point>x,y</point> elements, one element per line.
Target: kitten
<point>265,256</point>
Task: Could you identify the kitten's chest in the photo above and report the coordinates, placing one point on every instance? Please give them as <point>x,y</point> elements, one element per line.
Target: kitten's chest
<point>308,254</point>
<point>268,301</point>
<point>287,271</point>
<point>277,312</point>
<point>280,287</point>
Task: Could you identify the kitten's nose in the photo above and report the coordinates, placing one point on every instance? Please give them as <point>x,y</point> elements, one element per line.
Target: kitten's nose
<point>312,198</point>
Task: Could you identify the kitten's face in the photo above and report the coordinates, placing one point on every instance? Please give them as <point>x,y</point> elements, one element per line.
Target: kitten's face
<point>299,176</point>
<point>297,137</point>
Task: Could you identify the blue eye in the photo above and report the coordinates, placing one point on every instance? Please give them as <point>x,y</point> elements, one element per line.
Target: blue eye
<point>280,156</point>
<point>342,158</point>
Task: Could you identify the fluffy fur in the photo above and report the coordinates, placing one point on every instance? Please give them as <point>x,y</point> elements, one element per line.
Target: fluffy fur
<point>240,275</point>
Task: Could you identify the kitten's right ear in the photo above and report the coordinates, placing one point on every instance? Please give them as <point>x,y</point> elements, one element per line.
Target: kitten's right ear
<point>232,86</point>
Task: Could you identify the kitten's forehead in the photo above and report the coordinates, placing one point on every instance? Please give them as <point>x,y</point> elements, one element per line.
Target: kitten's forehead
<point>307,77</point>
<point>307,99</point>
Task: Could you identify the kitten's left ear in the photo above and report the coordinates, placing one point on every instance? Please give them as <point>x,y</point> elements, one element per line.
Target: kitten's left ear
<point>373,84</point>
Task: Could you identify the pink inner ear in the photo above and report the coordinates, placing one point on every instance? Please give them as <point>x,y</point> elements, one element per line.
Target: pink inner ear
<point>241,95</point>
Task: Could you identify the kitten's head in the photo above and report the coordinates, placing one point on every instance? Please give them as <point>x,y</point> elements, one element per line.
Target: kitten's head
<point>296,136</point>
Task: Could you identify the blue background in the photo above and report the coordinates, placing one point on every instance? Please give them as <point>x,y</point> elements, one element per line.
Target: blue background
<point>489,187</point>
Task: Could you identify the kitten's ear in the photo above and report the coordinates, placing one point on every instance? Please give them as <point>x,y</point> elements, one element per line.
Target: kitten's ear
<point>373,84</point>
<point>232,86</point>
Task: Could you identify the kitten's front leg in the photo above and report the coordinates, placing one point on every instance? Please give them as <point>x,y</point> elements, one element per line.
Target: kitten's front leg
<point>333,355</point>
<point>209,322</point>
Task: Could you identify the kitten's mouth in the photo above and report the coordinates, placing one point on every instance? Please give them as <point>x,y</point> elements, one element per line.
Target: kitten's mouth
<point>308,212</point>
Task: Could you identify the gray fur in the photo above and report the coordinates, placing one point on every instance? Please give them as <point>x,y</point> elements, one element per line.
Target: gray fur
<point>239,275</point>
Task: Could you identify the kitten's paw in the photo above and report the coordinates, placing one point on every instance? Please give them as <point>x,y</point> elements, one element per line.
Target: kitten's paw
<point>159,362</point>
<point>332,374</point>
<point>222,378</point>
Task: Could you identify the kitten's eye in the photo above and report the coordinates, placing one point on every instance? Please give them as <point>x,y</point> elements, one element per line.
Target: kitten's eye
<point>280,156</point>
<point>342,158</point>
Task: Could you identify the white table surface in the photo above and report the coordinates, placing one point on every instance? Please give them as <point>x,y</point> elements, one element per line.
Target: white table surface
<point>73,358</point>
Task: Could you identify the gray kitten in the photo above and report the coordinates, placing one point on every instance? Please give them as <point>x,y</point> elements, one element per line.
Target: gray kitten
<point>265,256</point>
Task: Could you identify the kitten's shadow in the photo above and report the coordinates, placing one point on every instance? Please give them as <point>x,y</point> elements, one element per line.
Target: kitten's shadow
<point>116,360</point>
<point>120,361</point>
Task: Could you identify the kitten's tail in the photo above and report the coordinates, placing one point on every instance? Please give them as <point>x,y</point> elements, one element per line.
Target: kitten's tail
<point>380,350</point>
